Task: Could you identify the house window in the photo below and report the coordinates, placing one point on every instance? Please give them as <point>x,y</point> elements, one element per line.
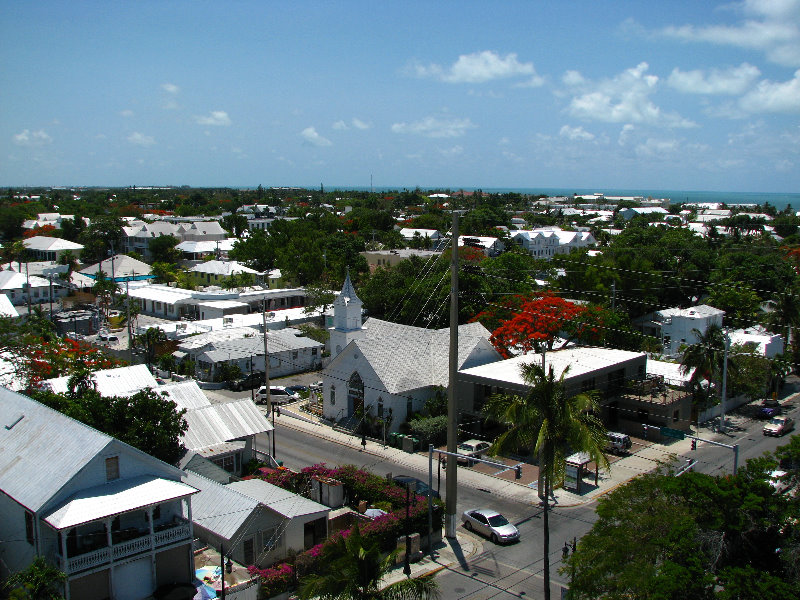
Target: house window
<point>112,468</point>
<point>249,554</point>
<point>270,538</point>
<point>409,408</point>
<point>226,462</point>
<point>380,408</point>
<point>676,416</point>
<point>333,395</point>
<point>294,355</point>
<point>29,527</point>
<point>313,352</point>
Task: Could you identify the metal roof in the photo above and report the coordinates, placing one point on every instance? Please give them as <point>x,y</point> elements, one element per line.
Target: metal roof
<point>41,449</point>
<point>186,394</point>
<point>41,242</point>
<point>281,501</point>
<point>579,360</point>
<point>219,423</point>
<point>217,508</point>
<point>122,381</point>
<point>116,497</point>
<point>405,357</point>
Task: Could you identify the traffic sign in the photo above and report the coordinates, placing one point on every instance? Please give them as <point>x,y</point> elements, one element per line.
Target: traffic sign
<point>672,433</point>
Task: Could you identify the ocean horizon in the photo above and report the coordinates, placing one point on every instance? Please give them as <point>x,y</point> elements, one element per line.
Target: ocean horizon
<point>776,199</point>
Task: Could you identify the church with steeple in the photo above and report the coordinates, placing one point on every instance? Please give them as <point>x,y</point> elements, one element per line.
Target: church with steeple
<point>347,320</point>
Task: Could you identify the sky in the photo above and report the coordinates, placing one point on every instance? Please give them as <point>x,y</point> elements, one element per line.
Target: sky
<point>679,95</point>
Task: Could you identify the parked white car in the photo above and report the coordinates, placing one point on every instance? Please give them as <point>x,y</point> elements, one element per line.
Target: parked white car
<point>472,449</point>
<point>778,426</point>
<point>491,524</point>
<point>278,395</point>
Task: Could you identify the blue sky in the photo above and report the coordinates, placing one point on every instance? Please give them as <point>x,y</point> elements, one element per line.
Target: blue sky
<point>523,94</point>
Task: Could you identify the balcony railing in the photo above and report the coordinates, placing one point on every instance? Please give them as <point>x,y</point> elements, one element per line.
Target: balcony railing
<point>164,535</point>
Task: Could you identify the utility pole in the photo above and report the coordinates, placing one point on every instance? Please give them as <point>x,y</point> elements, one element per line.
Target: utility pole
<point>724,382</point>
<point>451,472</point>
<point>128,316</point>
<point>266,368</point>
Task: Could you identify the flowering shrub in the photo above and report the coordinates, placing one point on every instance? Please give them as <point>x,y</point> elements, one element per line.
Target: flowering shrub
<point>359,485</point>
<point>274,580</point>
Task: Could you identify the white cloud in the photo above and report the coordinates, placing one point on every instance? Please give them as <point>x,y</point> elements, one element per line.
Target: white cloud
<point>625,98</point>
<point>126,113</point>
<point>479,67</point>
<point>170,88</point>
<point>435,128</point>
<point>733,81</point>
<point>340,125</point>
<point>653,148</point>
<point>218,118</point>
<point>312,137</point>
<point>32,138</point>
<point>450,152</point>
<point>770,26</point>
<point>575,133</point>
<point>769,97</point>
<point>625,134</point>
<point>359,124</point>
<point>140,139</point>
<point>573,78</point>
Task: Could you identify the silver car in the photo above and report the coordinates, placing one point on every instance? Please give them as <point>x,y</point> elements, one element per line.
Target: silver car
<point>491,524</point>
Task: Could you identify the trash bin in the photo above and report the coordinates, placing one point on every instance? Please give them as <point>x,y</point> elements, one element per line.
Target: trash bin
<point>393,439</point>
<point>415,442</point>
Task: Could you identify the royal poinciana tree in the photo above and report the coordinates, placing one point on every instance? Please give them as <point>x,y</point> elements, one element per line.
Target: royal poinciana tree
<point>524,324</point>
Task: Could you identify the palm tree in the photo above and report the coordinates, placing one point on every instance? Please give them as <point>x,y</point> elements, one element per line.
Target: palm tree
<point>551,423</point>
<point>354,569</point>
<point>706,357</point>
<point>785,313</point>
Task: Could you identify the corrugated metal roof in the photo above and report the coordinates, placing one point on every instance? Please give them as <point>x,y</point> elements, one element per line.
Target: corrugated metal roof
<point>186,394</point>
<point>281,501</point>
<point>218,508</point>
<point>406,357</point>
<point>41,449</point>
<point>219,423</point>
<point>122,381</point>
<point>116,497</point>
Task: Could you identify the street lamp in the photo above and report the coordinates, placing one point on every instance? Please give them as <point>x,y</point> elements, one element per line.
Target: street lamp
<point>411,486</point>
<point>384,427</point>
<point>264,316</point>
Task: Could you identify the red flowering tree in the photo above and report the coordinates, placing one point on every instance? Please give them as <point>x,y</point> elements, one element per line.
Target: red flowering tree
<point>536,323</point>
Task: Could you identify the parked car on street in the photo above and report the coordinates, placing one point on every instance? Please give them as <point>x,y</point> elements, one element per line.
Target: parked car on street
<point>618,443</point>
<point>248,382</point>
<point>491,524</point>
<point>316,386</point>
<point>769,408</point>
<point>420,486</point>
<point>105,336</point>
<point>278,395</point>
<point>778,426</point>
<point>472,449</point>
<point>297,389</point>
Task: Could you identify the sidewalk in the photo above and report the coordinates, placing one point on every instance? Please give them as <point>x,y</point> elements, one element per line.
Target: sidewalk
<point>445,554</point>
<point>643,459</point>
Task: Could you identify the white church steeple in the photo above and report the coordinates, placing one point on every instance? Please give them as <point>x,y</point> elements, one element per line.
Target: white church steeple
<point>347,323</point>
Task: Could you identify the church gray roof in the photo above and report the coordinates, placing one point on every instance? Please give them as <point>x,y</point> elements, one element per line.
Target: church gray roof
<point>348,293</point>
<point>406,358</point>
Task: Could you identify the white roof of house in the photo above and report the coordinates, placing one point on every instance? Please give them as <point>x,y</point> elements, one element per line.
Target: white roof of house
<point>281,501</point>
<point>186,394</point>
<point>222,304</point>
<point>11,280</point>
<point>671,372</point>
<point>280,340</point>
<point>701,310</point>
<point>408,232</point>
<point>406,357</point>
<point>31,470</point>
<point>579,361</point>
<point>121,381</point>
<point>6,308</point>
<point>223,267</point>
<point>123,266</point>
<point>114,498</point>
<point>41,242</point>
<point>160,293</point>
<point>482,241</point>
<point>218,508</point>
<point>215,424</point>
<point>195,246</point>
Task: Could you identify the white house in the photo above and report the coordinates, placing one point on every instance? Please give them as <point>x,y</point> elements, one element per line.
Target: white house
<point>49,248</point>
<point>409,234</point>
<point>115,520</point>
<point>137,236</point>
<point>213,272</point>
<point>396,368</point>
<point>21,288</point>
<point>490,246</point>
<point>758,340</point>
<point>676,326</point>
<point>546,242</point>
<point>259,523</point>
<point>638,211</point>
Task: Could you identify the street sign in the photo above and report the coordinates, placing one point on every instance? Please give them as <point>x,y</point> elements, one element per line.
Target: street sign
<point>672,433</point>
